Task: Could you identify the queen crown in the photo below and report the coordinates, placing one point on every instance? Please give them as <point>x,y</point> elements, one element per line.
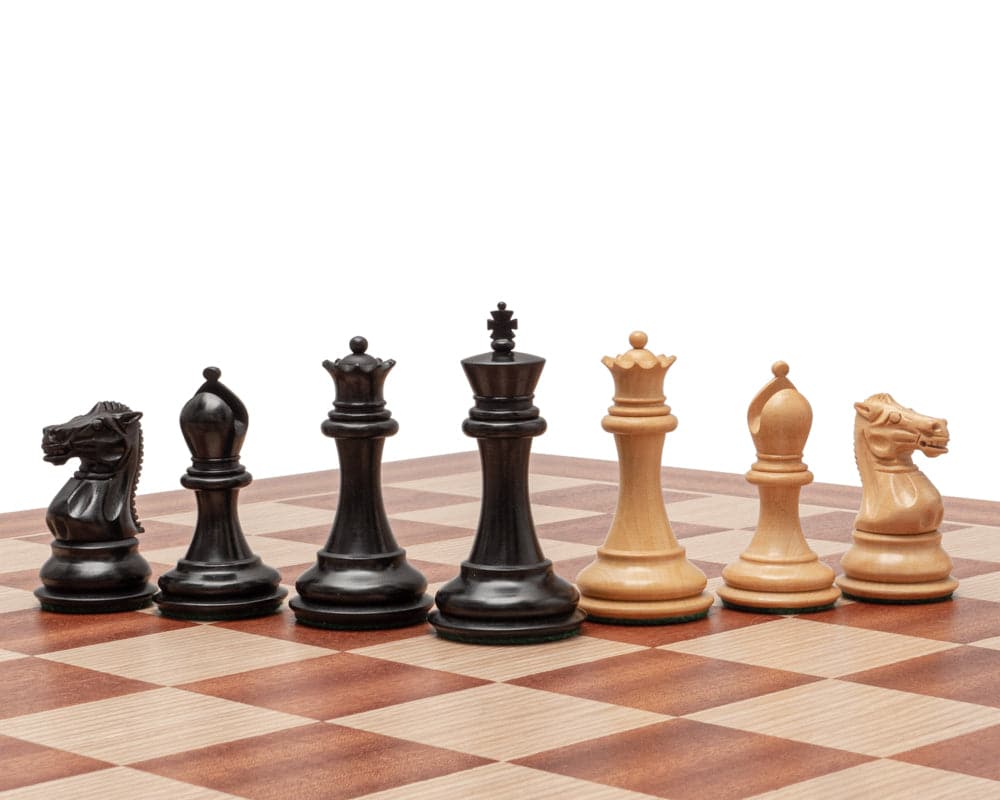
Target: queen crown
<point>639,376</point>
<point>359,379</point>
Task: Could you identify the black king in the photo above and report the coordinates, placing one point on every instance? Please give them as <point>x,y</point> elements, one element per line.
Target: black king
<point>507,592</point>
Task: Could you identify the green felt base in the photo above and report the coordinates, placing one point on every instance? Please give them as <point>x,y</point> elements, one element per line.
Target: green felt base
<point>754,610</point>
<point>652,621</point>
<point>893,602</point>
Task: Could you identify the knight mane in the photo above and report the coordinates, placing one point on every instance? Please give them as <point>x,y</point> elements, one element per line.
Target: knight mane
<point>114,407</point>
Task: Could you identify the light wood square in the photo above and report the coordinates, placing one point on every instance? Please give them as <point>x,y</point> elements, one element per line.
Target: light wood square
<point>726,546</point>
<point>466,515</point>
<point>504,782</point>
<point>9,655</point>
<point>980,542</point>
<point>813,648</point>
<point>273,552</point>
<point>117,782</point>
<point>852,716</point>
<point>258,518</point>
<point>187,654</point>
<point>455,551</point>
<point>496,662</point>
<point>522,721</point>
<point>16,599</point>
<point>981,587</point>
<point>726,511</point>
<point>17,555</point>
<point>470,484</point>
<point>887,780</point>
<point>145,725</point>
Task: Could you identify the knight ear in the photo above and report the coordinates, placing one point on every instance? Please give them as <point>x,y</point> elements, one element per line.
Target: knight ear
<point>126,418</point>
<point>864,410</point>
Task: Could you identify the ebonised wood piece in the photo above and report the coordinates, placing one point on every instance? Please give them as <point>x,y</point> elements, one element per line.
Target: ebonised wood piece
<point>95,565</point>
<point>362,578</point>
<point>507,592</point>
<point>220,577</point>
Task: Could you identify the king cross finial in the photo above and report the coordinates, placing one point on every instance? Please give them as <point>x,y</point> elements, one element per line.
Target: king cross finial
<point>503,327</point>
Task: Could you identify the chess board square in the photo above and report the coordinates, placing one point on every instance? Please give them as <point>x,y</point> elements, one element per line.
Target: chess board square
<point>965,622</point>
<point>22,523</point>
<point>664,682</point>
<point>315,762</point>
<point>837,526</point>
<point>726,546</point>
<point>284,626</point>
<point>16,599</point>
<point>26,580</point>
<point>33,632</point>
<point>814,648</point>
<point>503,781</point>
<point>972,754</point>
<point>992,643</point>
<point>117,782</point>
<point>728,511</point>
<point>718,620</point>
<point>333,686</point>
<point>272,551</point>
<point>146,725</point>
<point>17,555</point>
<point>7,655</point>
<point>887,780</point>
<point>267,517</point>
<point>963,673</point>
<point>466,515</point>
<point>853,717</point>
<point>182,656</point>
<point>25,763</point>
<point>496,662</point>
<point>35,684</point>
<point>470,484</point>
<point>980,542</point>
<point>591,531</point>
<point>455,551</point>
<point>981,587</point>
<point>685,760</point>
<point>522,721</point>
<point>600,497</point>
<point>158,535</point>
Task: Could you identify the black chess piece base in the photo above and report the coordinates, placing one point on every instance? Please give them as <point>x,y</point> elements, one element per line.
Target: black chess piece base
<point>507,605</point>
<point>95,578</point>
<point>236,590</point>
<point>346,592</point>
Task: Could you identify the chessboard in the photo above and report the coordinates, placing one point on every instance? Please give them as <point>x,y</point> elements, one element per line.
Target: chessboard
<point>892,701</point>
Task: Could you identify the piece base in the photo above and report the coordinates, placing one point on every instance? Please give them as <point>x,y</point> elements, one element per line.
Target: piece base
<point>515,632</point>
<point>69,604</point>
<point>897,593</point>
<point>222,609</point>
<point>655,612</point>
<point>761,602</point>
<point>360,618</point>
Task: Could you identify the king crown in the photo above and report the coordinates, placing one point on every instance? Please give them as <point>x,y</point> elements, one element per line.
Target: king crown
<point>502,326</point>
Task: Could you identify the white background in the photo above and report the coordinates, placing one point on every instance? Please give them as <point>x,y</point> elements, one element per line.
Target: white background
<point>250,184</point>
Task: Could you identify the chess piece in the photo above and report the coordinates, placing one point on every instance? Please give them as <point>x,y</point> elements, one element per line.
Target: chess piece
<point>219,577</point>
<point>641,575</point>
<point>507,592</point>
<point>896,556</point>
<point>778,573</point>
<point>362,578</point>
<point>95,565</point>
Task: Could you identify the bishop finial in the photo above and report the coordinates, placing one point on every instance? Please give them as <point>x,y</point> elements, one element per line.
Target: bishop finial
<point>503,327</point>
<point>211,373</point>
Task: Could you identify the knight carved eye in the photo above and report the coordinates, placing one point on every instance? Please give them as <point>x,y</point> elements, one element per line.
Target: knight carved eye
<point>895,418</point>
<point>97,424</point>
